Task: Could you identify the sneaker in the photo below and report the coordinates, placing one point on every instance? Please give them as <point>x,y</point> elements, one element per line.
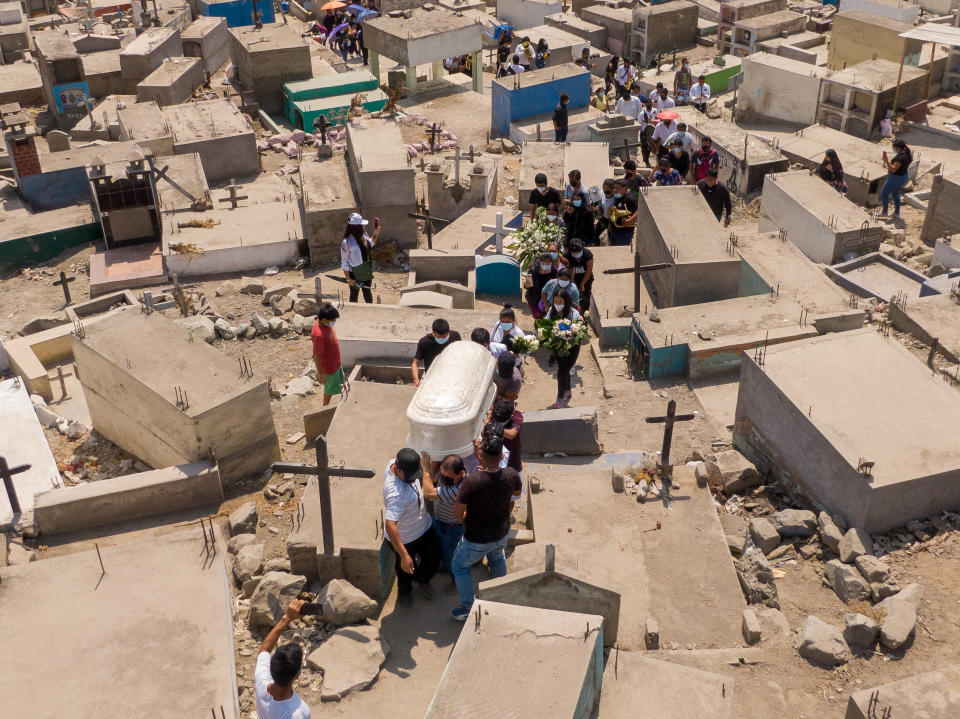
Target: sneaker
<point>895,216</point>
<point>461,613</point>
<point>405,600</point>
<point>427,590</point>
<point>882,215</point>
<point>557,405</point>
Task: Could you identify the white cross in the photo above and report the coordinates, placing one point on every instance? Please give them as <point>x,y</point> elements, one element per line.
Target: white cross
<point>456,164</point>
<point>499,230</point>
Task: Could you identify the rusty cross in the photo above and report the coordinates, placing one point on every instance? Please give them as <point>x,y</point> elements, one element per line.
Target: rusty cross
<point>66,287</point>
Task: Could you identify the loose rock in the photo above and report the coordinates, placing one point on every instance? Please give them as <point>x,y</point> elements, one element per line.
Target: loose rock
<point>350,660</point>
<point>249,561</point>
<point>873,569</point>
<point>846,581</point>
<point>794,522</point>
<point>756,579</point>
<point>822,644</point>
<point>243,520</point>
<point>853,544</point>
<point>272,596</point>
<point>258,325</point>
<point>830,534</point>
<point>277,564</point>
<point>300,386</point>
<point>860,631</point>
<point>199,327</point>
<point>18,554</point>
<point>750,626</point>
<point>225,289</point>
<point>343,603</point>
<point>277,325</point>
<point>764,535</point>
<point>734,471</point>
<point>275,291</point>
<point>240,541</point>
<point>899,622</point>
<point>251,286</point>
<point>224,329</point>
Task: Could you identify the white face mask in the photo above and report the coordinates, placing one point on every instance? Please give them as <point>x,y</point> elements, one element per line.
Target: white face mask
<point>558,307</point>
<point>543,190</point>
<point>551,218</point>
<point>563,283</point>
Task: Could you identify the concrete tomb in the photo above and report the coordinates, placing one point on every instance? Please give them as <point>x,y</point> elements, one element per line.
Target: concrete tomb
<point>266,59</point>
<point>156,658</point>
<point>208,39</point>
<point>237,13</point>
<point>573,24</point>
<point>932,695</point>
<point>559,654</point>
<point>840,418</point>
<point>522,105</point>
<point>703,267</point>
<point>559,589</point>
<point>618,22</point>
<point>943,208</point>
<point>859,35</point>
<point>779,88</point>
<point>879,276</point>
<point>304,101</point>
<point>662,28</point>
<point>20,82</point>
<point>459,183</point>
<point>145,54</point>
<point>23,442</point>
<point>824,224</point>
<point>932,319</point>
<point>171,83</point>
<point>523,14</point>
<point>328,202</point>
<point>187,408</point>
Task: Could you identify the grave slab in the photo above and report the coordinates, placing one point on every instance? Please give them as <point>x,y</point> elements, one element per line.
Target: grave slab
<point>23,442</point>
<point>426,299</point>
<point>559,654</point>
<point>933,695</point>
<point>926,318</point>
<point>155,667</point>
<point>877,275</point>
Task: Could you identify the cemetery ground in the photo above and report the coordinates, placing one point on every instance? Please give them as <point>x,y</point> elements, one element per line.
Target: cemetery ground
<point>421,638</point>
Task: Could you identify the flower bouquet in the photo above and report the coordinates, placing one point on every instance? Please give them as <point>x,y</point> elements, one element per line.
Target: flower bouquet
<point>561,335</point>
<point>532,239</point>
<point>525,345</point>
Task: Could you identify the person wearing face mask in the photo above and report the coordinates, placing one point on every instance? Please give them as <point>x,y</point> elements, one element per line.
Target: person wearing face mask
<point>661,134</point>
<point>561,119</point>
<point>553,217</point>
<point>685,137</point>
<point>562,307</point>
<point>578,217</point>
<point>623,214</point>
<point>633,180</point>
<point>440,484</point>
<point>717,195</point>
<point>603,210</point>
<point>326,352</point>
<point>679,160</point>
<point>665,175</point>
<point>540,274</point>
<point>629,105</point>
<point>408,526</point>
<point>683,78</point>
<point>700,94</point>
<point>581,264</point>
<point>646,117</point>
<point>574,184</point>
<point>506,329</point>
<point>704,159</point>
<point>563,283</point>
<point>663,100</point>
<point>430,346</point>
<point>543,195</point>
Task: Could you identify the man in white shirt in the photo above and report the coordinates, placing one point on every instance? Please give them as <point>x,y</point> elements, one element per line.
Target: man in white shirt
<point>663,100</point>
<point>516,68</point>
<point>661,134</point>
<point>630,105</point>
<point>409,526</point>
<point>274,676</point>
<point>624,77</point>
<point>524,52</point>
<point>685,137</point>
<point>700,94</point>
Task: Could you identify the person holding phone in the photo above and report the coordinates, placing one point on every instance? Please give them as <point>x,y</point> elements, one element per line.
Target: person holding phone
<point>275,675</point>
<point>355,256</point>
<point>896,177</point>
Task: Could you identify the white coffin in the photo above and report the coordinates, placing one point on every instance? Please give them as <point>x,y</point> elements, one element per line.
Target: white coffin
<point>448,409</point>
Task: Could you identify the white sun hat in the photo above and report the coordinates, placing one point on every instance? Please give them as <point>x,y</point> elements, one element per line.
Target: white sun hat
<point>356,219</point>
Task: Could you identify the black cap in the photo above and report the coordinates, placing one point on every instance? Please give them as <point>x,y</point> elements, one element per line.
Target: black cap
<point>408,462</point>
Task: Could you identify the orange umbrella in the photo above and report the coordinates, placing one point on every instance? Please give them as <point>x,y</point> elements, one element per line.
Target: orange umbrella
<point>333,5</point>
<point>668,115</point>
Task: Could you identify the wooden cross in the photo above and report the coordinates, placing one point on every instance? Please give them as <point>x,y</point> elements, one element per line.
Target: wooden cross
<point>322,472</point>
<point>668,421</point>
<point>499,232</point>
<point>7,472</point>
<point>434,131</point>
<point>234,198</point>
<point>63,281</point>
<point>428,223</point>
<point>321,124</point>
<point>637,269</point>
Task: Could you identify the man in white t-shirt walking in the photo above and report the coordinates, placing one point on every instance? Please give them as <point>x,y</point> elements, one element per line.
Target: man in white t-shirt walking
<point>274,676</point>
<point>409,526</point>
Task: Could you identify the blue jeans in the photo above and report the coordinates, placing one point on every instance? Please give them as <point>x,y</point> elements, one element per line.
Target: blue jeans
<point>560,135</point>
<point>469,553</point>
<point>892,186</point>
<point>449,536</point>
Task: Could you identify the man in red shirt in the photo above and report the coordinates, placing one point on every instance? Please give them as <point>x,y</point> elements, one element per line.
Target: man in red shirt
<point>326,351</point>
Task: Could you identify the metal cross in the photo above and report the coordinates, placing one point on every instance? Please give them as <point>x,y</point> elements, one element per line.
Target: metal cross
<point>234,198</point>
<point>66,287</point>
<point>434,131</point>
<point>499,232</point>
<point>322,473</point>
<point>7,472</point>
<point>320,125</point>
<point>668,421</point>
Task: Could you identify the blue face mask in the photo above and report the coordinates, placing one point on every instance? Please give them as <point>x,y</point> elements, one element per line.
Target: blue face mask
<point>617,195</point>
<point>563,283</point>
<point>577,203</point>
<point>507,326</point>
<point>546,268</point>
<point>576,255</point>
<point>441,340</point>
<point>554,255</point>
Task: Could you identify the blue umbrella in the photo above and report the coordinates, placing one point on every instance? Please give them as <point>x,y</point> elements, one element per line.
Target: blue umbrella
<point>333,33</point>
<point>362,13</point>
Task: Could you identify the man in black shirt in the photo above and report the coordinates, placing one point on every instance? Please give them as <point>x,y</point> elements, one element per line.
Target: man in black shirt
<point>634,180</point>
<point>716,194</point>
<point>483,505</point>
<point>430,346</point>
<point>544,195</point>
<point>560,119</point>
<point>623,214</point>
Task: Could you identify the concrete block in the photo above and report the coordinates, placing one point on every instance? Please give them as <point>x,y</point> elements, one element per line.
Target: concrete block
<point>121,499</point>
<point>572,430</point>
<point>751,627</point>
<point>935,694</point>
<point>550,588</point>
<point>444,265</point>
<point>462,297</point>
<point>317,422</point>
